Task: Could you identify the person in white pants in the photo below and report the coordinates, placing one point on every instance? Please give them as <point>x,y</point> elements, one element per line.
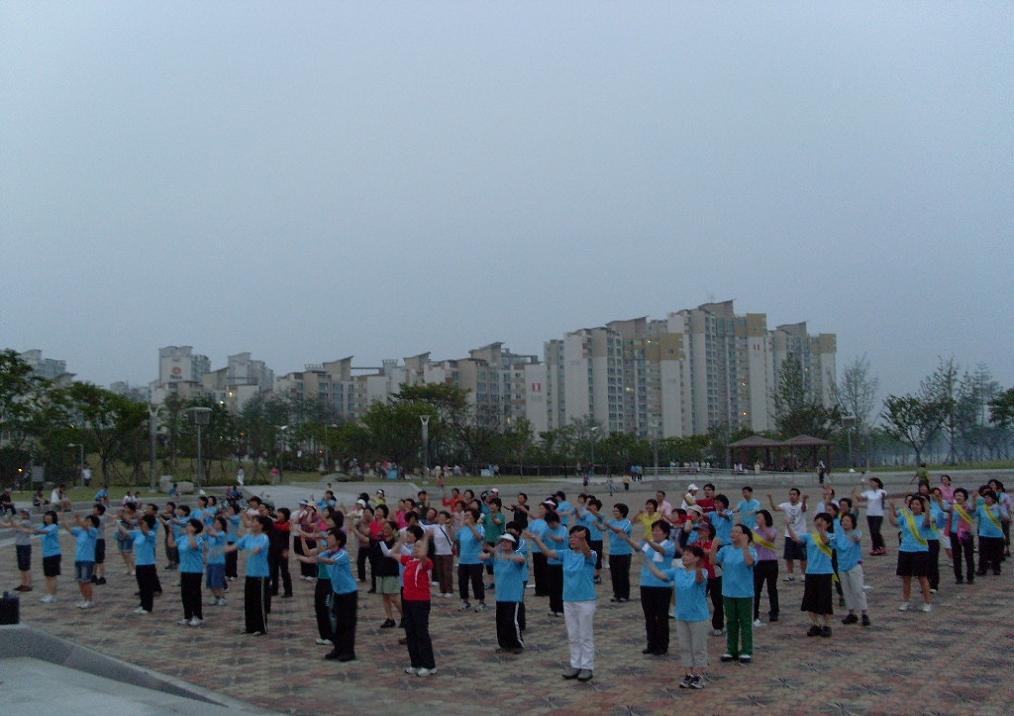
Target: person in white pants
<point>579,599</point>
<point>847,543</point>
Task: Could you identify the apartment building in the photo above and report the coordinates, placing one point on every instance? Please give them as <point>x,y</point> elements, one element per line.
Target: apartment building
<point>48,368</point>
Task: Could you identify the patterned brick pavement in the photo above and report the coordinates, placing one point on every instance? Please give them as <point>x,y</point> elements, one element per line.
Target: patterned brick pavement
<point>957,660</point>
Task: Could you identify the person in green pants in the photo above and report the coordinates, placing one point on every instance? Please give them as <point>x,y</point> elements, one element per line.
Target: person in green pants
<point>737,561</point>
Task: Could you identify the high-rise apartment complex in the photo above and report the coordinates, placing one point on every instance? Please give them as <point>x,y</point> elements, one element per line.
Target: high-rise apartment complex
<point>671,377</point>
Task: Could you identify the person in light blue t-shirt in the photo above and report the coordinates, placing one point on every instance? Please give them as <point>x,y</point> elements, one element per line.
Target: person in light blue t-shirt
<point>620,552</point>
<point>847,542</point>
<point>216,538</point>
<point>737,562</point>
<point>579,598</point>
<point>747,509</point>
<point>817,585</point>
<point>511,571</point>
<point>191,548</point>
<point>913,553</point>
<point>690,585</point>
<point>86,534</point>
<point>256,543</point>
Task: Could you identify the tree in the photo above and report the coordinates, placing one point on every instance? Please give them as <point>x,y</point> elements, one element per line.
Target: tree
<point>21,393</point>
<point>856,396</point>
<point>911,420</point>
<point>395,431</point>
<point>108,419</point>
<point>797,412</point>
<point>941,388</point>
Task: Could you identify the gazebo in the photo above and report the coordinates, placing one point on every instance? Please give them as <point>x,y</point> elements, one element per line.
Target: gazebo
<point>769,446</point>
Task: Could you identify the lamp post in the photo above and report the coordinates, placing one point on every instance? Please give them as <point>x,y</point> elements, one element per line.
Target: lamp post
<point>849,421</point>
<point>152,437</point>
<point>594,433</point>
<point>424,421</point>
<point>80,461</point>
<point>654,445</point>
<point>327,446</point>
<point>202,417</point>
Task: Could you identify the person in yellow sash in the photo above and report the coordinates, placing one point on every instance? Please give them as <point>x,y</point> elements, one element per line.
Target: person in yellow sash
<point>962,536</point>
<point>817,589</point>
<point>990,515</point>
<point>765,571</point>
<point>913,554</point>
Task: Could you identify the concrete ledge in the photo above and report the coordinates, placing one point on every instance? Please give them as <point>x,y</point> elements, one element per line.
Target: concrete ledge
<point>21,640</point>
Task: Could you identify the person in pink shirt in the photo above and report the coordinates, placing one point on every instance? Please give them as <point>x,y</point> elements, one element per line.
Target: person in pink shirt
<point>664,506</point>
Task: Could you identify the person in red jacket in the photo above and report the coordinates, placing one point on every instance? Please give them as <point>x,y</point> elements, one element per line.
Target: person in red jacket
<point>416,580</point>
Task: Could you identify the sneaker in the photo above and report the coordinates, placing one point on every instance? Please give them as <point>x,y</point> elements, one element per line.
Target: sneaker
<point>184,622</point>
<point>745,658</point>
<point>322,642</point>
<point>141,610</point>
<point>100,581</point>
<point>571,673</point>
<point>772,617</point>
<point>687,681</point>
<point>867,587</point>
<point>813,631</point>
<point>698,682</point>
<point>850,619</point>
<point>195,622</point>
<point>789,579</point>
<point>717,632</point>
<point>904,607</point>
<point>926,608</point>
<point>932,591</point>
<point>48,599</point>
<point>866,620</point>
<point>672,613</point>
<point>825,632</point>
<point>726,657</point>
<point>411,670</point>
<point>426,672</point>
<point>480,607</point>
<point>78,604</point>
<point>388,624</point>
<point>757,623</point>
<point>221,601</point>
<point>465,606</point>
<point>86,605</point>
<point>585,675</point>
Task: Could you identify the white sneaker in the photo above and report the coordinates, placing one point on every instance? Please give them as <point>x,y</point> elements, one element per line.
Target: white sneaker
<point>48,599</point>
<point>411,670</point>
<point>426,672</point>
<point>195,622</point>
<point>140,610</point>
<point>757,623</point>
<point>672,613</point>
<point>904,607</point>
<point>85,605</point>
<point>184,622</point>
<point>78,604</point>
<point>717,632</point>
<point>322,642</point>
<point>933,591</point>
<point>221,601</point>
<point>867,587</point>
<point>926,608</point>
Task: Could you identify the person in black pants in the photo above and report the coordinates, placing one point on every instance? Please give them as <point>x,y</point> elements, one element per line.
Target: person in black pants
<point>765,571</point>
<point>191,548</point>
<point>278,557</point>
<point>554,572</point>
<point>362,533</point>
<point>962,537</point>
<point>256,594</point>
<point>322,556</point>
<point>654,592</point>
<point>619,552</point>
<point>144,541</point>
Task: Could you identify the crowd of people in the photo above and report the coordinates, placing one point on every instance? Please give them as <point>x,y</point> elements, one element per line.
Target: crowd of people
<point>705,566</point>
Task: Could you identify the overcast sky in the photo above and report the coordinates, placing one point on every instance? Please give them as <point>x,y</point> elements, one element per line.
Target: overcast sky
<point>311,180</point>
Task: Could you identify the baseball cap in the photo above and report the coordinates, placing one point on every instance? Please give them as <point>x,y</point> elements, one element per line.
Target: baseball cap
<point>692,487</point>
<point>361,502</point>
<point>509,538</point>
<point>380,492</point>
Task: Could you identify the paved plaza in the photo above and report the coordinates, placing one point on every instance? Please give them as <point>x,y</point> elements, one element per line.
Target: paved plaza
<point>957,660</point>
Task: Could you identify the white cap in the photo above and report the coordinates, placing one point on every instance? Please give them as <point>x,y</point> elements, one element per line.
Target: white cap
<point>692,487</point>
<point>508,537</point>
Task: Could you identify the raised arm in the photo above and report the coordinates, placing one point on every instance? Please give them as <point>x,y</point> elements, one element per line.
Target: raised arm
<point>548,551</point>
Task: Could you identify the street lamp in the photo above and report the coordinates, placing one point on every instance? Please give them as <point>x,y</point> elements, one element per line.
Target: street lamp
<point>849,421</point>
<point>424,421</point>
<point>202,417</point>
<point>152,437</point>
<point>327,445</point>
<point>654,444</point>
<point>80,462</point>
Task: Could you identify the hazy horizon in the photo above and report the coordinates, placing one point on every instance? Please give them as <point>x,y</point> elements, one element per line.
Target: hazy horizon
<point>310,181</point>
